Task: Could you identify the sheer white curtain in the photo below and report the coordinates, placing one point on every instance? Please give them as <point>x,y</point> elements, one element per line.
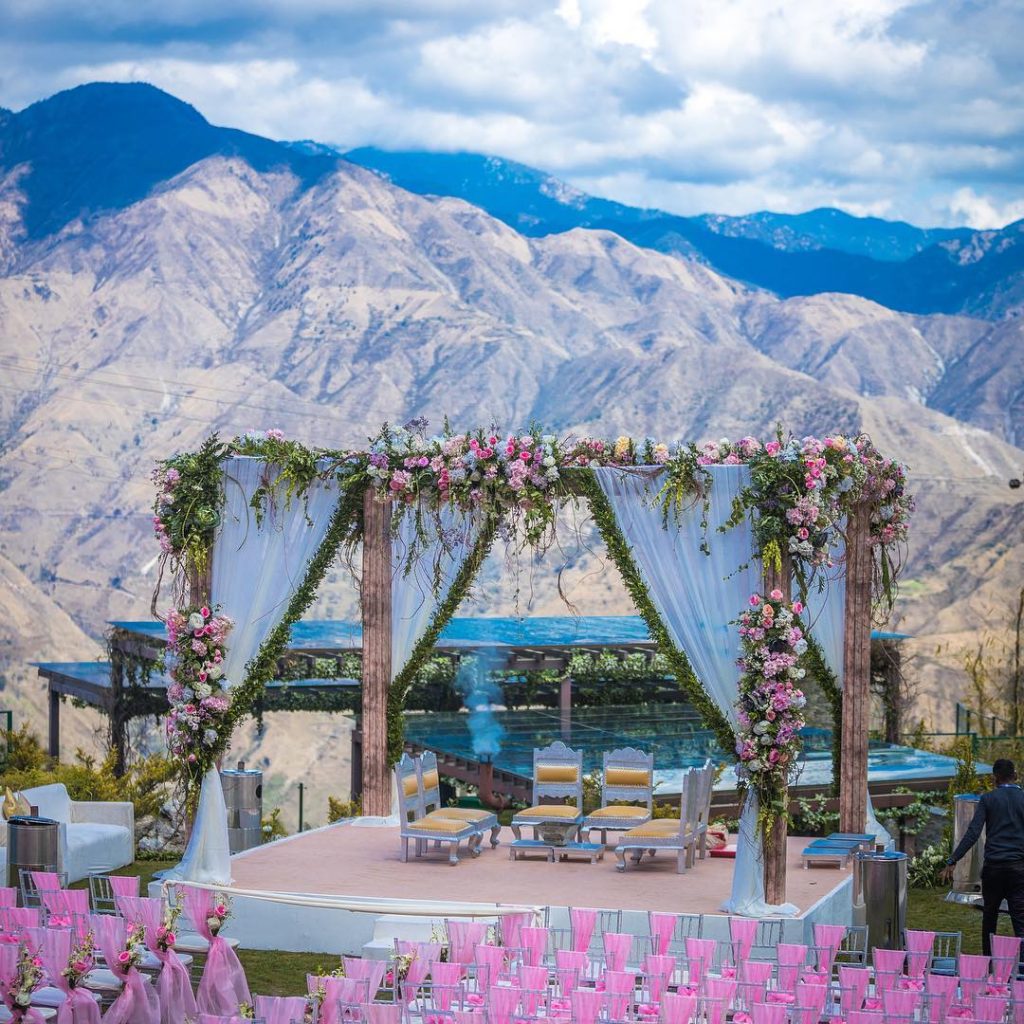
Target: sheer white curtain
<point>698,596</point>
<point>449,539</point>
<point>826,611</point>
<point>256,570</point>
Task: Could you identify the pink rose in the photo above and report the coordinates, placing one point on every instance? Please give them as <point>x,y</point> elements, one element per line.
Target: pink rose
<point>798,607</point>
<point>776,594</point>
<point>754,600</point>
<point>124,956</point>
<point>205,612</point>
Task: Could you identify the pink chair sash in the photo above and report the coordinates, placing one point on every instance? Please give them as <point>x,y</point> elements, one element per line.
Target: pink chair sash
<point>663,927</point>
<point>586,1004</point>
<point>582,921</point>
<point>828,938</point>
<point>722,988</point>
<point>890,960</point>
<point>54,945</point>
<point>222,988</point>
<point>853,986</point>
<point>137,1002</point>
<point>532,981</point>
<point>503,1000</point>
<point>462,937</point>
<point>742,932</point>
<point>990,1008</point>
<point>973,966</point>
<point>865,1017</point>
<point>281,1009</point>
<point>220,1018</point>
<point>678,1008</point>
<point>701,955</point>
<point>45,879</point>
<point>8,896</point>
<point>617,947</point>
<point>812,996</point>
<point>535,942</point>
<point>124,885</point>
<point>919,951</point>
<point>898,1002</point>
<point>490,962</point>
<point>1017,994</point>
<point>791,957</point>
<point>1005,957</point>
<point>173,987</point>
<point>373,1013</point>
<point>768,1013</point>
<point>757,972</point>
<point>511,925</point>
<point>619,987</point>
<point>370,971</point>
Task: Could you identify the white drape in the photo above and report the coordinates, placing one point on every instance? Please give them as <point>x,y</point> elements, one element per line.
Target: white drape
<point>414,598</point>
<point>698,596</point>
<point>256,570</point>
<point>826,619</point>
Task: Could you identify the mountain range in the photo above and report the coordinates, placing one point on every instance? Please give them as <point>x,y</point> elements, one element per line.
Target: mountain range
<point>161,278</point>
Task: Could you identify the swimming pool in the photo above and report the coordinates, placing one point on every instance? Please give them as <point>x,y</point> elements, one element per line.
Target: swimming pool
<point>674,733</point>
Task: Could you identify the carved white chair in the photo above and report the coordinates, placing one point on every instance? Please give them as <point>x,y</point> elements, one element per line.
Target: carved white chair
<point>430,794</point>
<point>627,775</point>
<point>557,774</point>
<point>425,828</point>
<point>680,835</point>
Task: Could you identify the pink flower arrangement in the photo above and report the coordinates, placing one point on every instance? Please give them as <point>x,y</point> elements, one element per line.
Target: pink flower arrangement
<point>196,651</point>
<point>770,704</point>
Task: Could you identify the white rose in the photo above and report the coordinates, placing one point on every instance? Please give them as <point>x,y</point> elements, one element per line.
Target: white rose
<point>761,728</point>
<point>549,460</point>
<point>196,621</point>
<point>755,765</point>
<point>215,672</point>
<point>202,690</point>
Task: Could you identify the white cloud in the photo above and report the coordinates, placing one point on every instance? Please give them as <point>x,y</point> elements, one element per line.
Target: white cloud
<point>906,106</point>
<point>976,211</point>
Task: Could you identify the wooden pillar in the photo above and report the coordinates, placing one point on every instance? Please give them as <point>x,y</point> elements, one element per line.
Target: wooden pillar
<point>565,706</point>
<point>853,783</point>
<point>775,844</point>
<point>376,602</point>
<point>54,748</point>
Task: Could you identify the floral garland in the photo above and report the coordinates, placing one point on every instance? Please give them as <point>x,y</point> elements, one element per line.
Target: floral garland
<point>802,490</point>
<point>770,704</point>
<point>198,692</point>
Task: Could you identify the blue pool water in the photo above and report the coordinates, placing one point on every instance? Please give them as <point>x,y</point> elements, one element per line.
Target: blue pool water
<point>673,733</point>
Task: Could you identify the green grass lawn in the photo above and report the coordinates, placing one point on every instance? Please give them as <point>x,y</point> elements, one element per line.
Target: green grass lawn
<point>273,973</point>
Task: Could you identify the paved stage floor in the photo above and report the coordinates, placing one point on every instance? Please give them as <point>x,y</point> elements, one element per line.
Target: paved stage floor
<point>352,861</point>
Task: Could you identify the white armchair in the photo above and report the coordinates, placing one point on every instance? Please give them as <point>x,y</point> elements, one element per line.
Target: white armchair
<point>95,836</point>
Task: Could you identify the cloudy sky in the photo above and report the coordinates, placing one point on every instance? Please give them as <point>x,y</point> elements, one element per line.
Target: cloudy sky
<point>896,108</point>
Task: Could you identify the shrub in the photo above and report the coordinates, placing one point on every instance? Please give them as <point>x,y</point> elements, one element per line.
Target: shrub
<point>147,781</point>
<point>273,827</point>
<point>338,809</point>
<point>923,870</point>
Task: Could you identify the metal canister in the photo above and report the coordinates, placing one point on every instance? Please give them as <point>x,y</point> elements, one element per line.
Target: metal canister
<point>880,897</point>
<point>967,873</point>
<point>33,844</point>
<point>243,796</point>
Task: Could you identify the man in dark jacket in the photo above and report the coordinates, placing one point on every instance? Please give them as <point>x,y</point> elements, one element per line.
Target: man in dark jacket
<point>1001,814</point>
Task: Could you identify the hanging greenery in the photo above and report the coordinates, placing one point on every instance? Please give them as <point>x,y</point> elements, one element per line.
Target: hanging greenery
<point>819,668</point>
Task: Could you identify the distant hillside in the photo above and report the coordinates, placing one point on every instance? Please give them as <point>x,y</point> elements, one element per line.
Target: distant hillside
<point>898,265</point>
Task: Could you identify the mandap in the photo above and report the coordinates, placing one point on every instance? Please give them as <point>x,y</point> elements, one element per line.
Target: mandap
<point>752,563</point>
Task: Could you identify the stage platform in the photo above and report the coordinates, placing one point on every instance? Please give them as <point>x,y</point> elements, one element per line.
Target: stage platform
<point>353,862</point>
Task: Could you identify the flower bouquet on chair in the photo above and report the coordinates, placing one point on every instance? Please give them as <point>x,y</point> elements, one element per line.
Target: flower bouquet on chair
<point>80,1007</point>
<point>222,988</point>
<point>21,973</point>
<point>122,950</point>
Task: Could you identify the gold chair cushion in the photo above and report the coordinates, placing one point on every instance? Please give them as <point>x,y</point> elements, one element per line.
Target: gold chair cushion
<point>409,785</point>
<point>463,813</point>
<point>654,830</point>
<point>557,773</point>
<point>627,777</point>
<point>430,780</point>
<point>549,811</point>
<point>625,811</point>
<point>438,824</point>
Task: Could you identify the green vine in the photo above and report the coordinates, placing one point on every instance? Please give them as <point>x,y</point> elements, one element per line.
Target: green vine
<point>621,554</point>
<point>424,648</point>
<point>819,668</point>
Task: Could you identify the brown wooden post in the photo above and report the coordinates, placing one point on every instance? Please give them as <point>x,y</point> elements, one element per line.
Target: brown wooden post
<point>565,706</point>
<point>775,845</point>
<point>853,781</point>
<point>376,602</point>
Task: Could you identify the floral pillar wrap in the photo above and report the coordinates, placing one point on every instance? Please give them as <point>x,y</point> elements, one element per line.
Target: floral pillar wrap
<point>770,704</point>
